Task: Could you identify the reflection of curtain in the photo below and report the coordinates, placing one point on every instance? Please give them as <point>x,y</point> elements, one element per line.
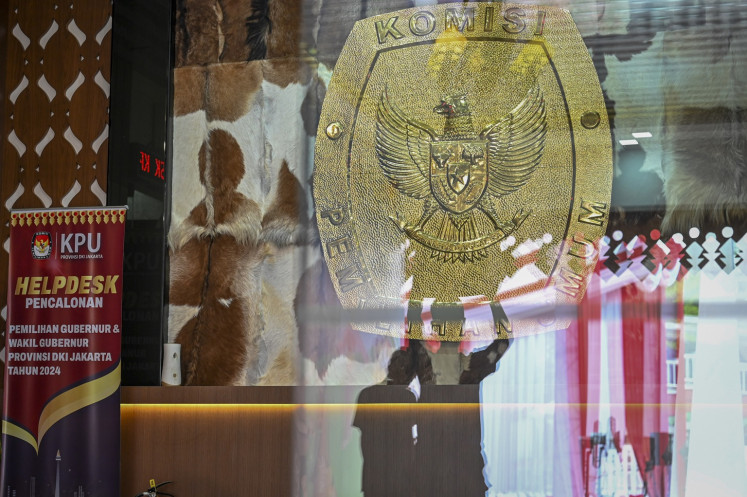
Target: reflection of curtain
<point>525,435</point>
<point>575,361</point>
<point>612,370</point>
<point>644,349</point>
<point>567,476</point>
<point>582,350</point>
<point>634,363</point>
<point>610,363</point>
<point>615,355</point>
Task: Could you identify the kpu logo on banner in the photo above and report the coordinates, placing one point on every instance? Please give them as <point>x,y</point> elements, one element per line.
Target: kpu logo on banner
<point>80,246</point>
<point>41,245</point>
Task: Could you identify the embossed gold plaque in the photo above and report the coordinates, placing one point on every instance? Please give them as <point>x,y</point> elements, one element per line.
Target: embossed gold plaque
<point>463,170</point>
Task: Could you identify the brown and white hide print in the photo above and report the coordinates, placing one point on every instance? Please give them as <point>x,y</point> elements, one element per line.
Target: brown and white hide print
<point>240,202</point>
<point>250,218</point>
<point>246,107</point>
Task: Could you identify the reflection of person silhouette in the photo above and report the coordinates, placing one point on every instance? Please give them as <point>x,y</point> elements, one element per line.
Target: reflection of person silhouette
<point>422,450</point>
<point>389,433</point>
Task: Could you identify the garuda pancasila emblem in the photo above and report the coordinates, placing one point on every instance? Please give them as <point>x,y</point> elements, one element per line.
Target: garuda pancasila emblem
<point>460,170</point>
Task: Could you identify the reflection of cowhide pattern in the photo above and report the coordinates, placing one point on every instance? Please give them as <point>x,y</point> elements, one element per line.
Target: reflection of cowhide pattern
<point>246,108</point>
<point>240,206</point>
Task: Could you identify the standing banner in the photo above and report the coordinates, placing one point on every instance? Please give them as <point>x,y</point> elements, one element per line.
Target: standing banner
<point>60,428</point>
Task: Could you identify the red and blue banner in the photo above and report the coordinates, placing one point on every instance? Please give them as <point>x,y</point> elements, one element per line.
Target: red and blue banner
<point>60,426</point>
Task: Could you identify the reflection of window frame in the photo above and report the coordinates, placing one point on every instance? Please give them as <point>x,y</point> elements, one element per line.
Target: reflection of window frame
<point>689,370</point>
<point>672,369</point>
<point>672,376</point>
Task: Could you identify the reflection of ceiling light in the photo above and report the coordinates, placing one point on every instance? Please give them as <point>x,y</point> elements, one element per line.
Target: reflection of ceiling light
<point>642,134</point>
<point>628,142</point>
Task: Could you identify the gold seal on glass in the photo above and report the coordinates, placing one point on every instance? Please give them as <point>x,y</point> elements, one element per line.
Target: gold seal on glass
<point>472,187</point>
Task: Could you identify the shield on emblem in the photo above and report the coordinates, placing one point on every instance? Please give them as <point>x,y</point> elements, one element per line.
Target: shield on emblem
<point>459,173</point>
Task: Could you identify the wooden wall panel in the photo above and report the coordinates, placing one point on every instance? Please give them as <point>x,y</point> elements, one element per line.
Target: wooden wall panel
<point>55,110</point>
<point>282,441</point>
<point>207,449</point>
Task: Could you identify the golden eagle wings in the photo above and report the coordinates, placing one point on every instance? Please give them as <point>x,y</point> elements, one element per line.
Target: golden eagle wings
<point>513,144</point>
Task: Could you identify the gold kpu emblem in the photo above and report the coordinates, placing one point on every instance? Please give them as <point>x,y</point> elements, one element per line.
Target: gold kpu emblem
<point>463,171</point>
